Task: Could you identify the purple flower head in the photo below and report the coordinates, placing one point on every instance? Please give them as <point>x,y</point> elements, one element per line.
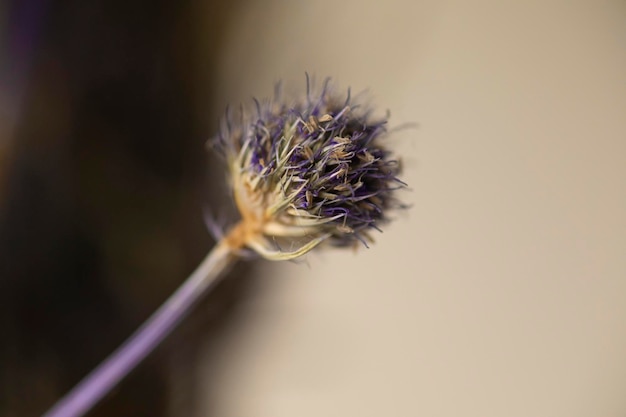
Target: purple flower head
<point>309,171</point>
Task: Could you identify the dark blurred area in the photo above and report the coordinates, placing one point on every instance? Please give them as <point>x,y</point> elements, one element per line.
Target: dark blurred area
<point>104,111</point>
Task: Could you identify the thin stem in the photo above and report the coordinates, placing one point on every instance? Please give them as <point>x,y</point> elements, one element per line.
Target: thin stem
<point>102,379</point>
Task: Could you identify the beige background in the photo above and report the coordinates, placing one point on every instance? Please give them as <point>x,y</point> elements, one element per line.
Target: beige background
<point>502,292</point>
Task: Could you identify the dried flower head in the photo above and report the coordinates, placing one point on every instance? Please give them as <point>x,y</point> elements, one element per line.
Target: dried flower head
<point>306,172</point>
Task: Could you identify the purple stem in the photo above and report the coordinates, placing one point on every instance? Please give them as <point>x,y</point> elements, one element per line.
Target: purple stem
<point>102,379</point>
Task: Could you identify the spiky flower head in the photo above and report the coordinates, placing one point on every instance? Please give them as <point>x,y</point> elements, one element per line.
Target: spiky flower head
<point>306,172</point>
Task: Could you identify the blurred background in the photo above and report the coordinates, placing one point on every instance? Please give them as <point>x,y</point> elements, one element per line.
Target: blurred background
<point>105,109</point>
<point>502,291</point>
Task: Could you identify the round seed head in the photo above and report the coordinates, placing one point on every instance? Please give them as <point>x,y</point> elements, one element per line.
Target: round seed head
<point>308,171</point>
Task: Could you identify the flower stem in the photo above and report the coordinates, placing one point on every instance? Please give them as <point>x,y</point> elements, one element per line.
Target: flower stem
<point>122,361</point>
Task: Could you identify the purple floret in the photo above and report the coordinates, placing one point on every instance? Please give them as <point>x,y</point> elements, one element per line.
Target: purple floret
<point>340,167</point>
